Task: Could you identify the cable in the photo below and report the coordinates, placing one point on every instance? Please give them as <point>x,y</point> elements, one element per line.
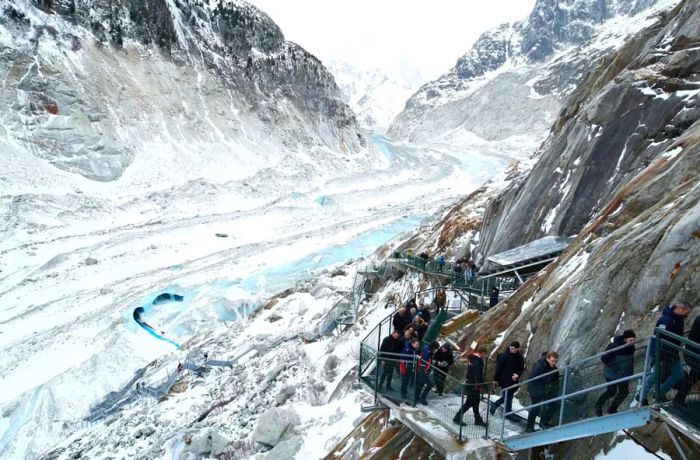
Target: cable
<point>640,443</point>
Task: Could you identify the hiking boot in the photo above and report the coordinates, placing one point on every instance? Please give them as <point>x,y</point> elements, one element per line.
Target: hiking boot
<point>479,422</point>
<point>492,410</point>
<point>612,410</point>
<point>423,401</point>
<point>598,411</point>
<point>458,421</point>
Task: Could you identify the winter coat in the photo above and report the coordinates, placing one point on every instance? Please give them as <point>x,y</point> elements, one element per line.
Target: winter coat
<point>618,363</point>
<point>693,360</point>
<point>475,371</point>
<point>426,360</point>
<point>392,345</point>
<point>401,321</point>
<point>440,300</point>
<point>544,387</point>
<point>494,297</point>
<point>443,356</point>
<point>670,322</point>
<point>425,314</point>
<point>409,353</point>
<point>420,330</point>
<point>508,364</point>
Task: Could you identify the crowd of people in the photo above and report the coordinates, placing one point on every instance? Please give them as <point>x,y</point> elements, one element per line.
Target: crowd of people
<point>678,367</point>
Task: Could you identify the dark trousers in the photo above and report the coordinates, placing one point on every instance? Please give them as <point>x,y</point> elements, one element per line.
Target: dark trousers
<point>440,378</point>
<point>546,409</point>
<point>405,380</point>
<point>683,387</point>
<point>472,403</point>
<point>619,391</point>
<point>423,384</point>
<point>387,373</point>
<point>508,399</point>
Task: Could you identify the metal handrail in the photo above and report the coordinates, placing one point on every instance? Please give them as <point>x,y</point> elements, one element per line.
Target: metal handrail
<point>577,363</point>
<point>564,396</point>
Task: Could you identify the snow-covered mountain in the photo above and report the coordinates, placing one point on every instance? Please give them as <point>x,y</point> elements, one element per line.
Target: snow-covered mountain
<point>184,148</point>
<point>517,77</point>
<point>94,87</point>
<point>376,95</point>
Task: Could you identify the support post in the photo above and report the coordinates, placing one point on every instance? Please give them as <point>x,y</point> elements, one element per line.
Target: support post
<point>676,443</point>
<point>646,372</point>
<point>657,362</point>
<point>503,424</point>
<point>563,401</point>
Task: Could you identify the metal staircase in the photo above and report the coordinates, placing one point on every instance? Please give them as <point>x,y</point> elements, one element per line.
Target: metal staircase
<point>569,407</point>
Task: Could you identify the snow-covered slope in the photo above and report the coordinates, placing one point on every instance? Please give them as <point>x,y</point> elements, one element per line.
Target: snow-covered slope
<point>376,95</point>
<point>517,77</point>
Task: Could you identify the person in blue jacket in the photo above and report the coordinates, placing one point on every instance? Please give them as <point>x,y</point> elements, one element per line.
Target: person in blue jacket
<point>423,381</point>
<point>670,369</point>
<point>411,352</point>
<point>691,355</point>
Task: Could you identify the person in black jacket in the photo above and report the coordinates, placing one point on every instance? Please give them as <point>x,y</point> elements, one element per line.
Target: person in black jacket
<point>402,318</point>
<point>442,360</point>
<point>393,343</point>
<point>424,313</point>
<point>692,359</point>
<point>509,367</point>
<point>473,385</point>
<point>670,370</point>
<point>419,327</point>
<point>618,364</point>
<point>493,299</point>
<point>543,385</point>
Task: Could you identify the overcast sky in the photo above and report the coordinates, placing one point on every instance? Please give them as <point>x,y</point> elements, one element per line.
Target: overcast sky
<point>429,34</point>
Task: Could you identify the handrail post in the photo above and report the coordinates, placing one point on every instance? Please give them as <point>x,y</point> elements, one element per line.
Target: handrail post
<point>488,409</point>
<point>563,393</point>
<point>657,362</point>
<point>460,413</point>
<point>645,374</point>
<point>503,424</point>
<point>376,380</point>
<point>416,362</point>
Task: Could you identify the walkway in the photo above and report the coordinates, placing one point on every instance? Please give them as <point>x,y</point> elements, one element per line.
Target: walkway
<point>569,405</point>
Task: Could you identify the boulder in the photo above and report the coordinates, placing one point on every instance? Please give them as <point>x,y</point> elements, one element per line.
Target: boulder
<point>285,393</point>
<point>90,261</point>
<point>209,443</point>
<point>284,450</point>
<point>275,426</point>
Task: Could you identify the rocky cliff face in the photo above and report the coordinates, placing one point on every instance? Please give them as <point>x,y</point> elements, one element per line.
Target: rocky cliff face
<point>90,86</point>
<point>621,172</point>
<point>516,77</point>
<point>624,115</point>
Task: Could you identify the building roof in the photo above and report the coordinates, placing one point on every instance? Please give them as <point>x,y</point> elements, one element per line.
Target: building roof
<point>533,254</point>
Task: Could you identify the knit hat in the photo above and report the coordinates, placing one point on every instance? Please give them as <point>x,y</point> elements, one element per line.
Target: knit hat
<point>628,334</point>
<point>515,344</point>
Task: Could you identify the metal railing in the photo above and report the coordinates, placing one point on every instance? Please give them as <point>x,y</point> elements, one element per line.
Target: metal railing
<point>479,289</point>
<point>677,360</point>
<point>380,374</point>
<point>583,390</point>
<point>579,390</point>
